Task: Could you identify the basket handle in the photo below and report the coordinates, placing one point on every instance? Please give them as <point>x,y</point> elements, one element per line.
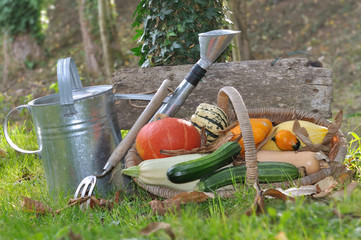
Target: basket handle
<point>230,94</point>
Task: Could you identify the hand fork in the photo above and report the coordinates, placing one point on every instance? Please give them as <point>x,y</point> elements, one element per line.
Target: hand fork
<point>86,186</point>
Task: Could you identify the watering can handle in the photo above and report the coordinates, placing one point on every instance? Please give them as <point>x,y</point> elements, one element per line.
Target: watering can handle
<point>7,137</point>
<point>68,80</point>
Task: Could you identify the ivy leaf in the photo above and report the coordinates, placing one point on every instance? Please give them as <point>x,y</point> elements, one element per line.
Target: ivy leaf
<point>175,45</point>
<point>147,63</point>
<point>202,2</point>
<point>164,12</point>
<point>163,52</point>
<point>212,12</point>
<point>180,28</point>
<point>167,42</point>
<point>138,34</point>
<point>154,36</point>
<point>171,34</point>
<point>137,50</point>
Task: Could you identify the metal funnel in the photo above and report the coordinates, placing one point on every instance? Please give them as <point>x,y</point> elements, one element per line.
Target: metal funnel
<point>212,44</point>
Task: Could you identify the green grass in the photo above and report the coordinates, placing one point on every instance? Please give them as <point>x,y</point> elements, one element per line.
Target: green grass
<point>22,175</point>
<point>353,158</point>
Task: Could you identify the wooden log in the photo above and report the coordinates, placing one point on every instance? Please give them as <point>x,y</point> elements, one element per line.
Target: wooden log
<point>289,83</point>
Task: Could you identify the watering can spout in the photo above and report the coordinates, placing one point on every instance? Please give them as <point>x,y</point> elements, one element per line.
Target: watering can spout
<point>212,44</point>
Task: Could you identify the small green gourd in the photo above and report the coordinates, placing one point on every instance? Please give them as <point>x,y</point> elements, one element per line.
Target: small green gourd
<point>212,118</point>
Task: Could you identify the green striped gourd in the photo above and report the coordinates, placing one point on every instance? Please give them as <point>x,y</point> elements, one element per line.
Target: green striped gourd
<point>212,118</point>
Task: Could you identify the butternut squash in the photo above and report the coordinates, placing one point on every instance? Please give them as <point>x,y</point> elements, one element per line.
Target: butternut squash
<point>304,159</point>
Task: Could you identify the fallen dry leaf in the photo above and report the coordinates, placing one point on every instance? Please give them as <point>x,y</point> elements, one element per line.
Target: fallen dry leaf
<point>277,194</point>
<point>100,202</point>
<point>2,153</point>
<point>300,191</point>
<point>325,187</point>
<point>74,236</point>
<point>74,202</point>
<point>341,193</point>
<point>327,184</point>
<point>340,175</point>
<point>79,200</point>
<point>258,206</point>
<point>156,226</point>
<point>173,204</point>
<point>187,197</point>
<point>31,205</point>
<point>117,197</point>
<point>157,207</point>
<point>303,135</point>
<point>281,236</point>
<point>167,206</point>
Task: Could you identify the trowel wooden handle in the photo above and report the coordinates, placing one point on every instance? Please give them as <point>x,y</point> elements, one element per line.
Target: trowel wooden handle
<point>143,119</point>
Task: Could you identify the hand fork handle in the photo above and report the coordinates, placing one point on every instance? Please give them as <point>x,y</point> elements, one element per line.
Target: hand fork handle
<point>146,115</point>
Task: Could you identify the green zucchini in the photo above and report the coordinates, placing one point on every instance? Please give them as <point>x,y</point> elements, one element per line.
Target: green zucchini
<point>268,172</point>
<point>197,168</point>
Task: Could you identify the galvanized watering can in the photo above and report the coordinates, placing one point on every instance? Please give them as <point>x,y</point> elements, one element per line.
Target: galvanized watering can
<point>76,131</point>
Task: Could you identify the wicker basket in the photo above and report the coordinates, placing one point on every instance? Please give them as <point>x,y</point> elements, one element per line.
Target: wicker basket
<point>231,102</point>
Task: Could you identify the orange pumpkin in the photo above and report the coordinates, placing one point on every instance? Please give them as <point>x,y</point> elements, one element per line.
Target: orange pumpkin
<point>261,127</point>
<point>286,140</point>
<point>166,134</point>
<point>262,123</point>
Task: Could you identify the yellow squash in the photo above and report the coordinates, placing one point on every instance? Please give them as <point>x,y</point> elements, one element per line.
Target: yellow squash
<point>316,133</point>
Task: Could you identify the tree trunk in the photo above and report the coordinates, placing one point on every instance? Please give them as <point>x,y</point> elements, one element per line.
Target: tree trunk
<point>25,48</point>
<point>108,61</point>
<point>236,51</point>
<point>6,62</point>
<point>239,18</point>
<point>89,48</point>
<point>125,8</point>
<point>115,43</point>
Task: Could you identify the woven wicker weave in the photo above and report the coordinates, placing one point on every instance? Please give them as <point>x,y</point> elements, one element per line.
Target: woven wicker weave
<point>231,102</point>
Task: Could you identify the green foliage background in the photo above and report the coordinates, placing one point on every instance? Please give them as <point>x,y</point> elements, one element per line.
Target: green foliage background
<point>168,30</point>
<point>21,17</point>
